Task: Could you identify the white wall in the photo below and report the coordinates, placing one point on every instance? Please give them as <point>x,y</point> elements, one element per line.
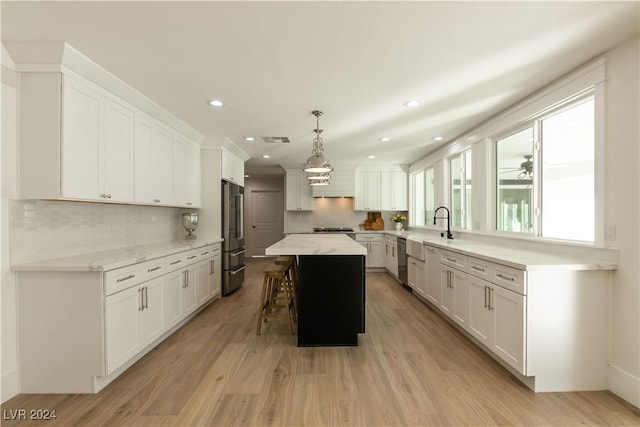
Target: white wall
<point>209,219</point>
<point>9,356</point>
<point>622,209</point>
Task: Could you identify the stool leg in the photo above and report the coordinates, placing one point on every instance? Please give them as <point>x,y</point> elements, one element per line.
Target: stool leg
<point>262,303</point>
<point>288,301</point>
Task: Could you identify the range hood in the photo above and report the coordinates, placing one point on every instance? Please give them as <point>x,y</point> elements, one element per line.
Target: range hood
<point>342,184</point>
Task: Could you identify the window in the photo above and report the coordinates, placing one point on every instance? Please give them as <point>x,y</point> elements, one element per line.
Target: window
<point>460,185</point>
<point>417,217</point>
<point>547,188</point>
<point>423,198</point>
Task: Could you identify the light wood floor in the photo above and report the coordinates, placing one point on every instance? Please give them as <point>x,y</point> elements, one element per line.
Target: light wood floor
<point>411,369</point>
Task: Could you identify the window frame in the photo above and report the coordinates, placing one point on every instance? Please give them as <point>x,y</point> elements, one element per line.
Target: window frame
<point>466,215</point>
<point>535,122</point>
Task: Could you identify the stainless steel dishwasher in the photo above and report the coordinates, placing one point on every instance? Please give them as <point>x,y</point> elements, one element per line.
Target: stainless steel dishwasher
<point>402,260</point>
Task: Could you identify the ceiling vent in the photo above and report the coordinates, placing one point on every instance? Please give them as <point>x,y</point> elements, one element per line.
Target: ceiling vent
<point>276,139</point>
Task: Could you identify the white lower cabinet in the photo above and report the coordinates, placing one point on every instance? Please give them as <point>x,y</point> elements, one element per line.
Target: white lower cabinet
<point>416,276</point>
<point>454,302</point>
<point>497,320</point>
<point>432,265</point>
<point>390,255</point>
<point>101,322</point>
<point>373,243</point>
<point>133,320</point>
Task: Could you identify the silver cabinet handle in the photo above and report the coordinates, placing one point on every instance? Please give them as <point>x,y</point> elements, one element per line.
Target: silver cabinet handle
<point>500,275</point>
<point>480,269</point>
<point>156,200</point>
<point>451,259</point>
<point>486,304</point>
<point>184,279</point>
<point>178,261</point>
<point>393,251</point>
<point>149,270</point>
<point>491,306</point>
<point>145,301</point>
<point>189,203</point>
<point>191,257</point>
<point>212,268</point>
<point>386,248</point>
<point>122,279</point>
<point>204,253</point>
<point>140,305</point>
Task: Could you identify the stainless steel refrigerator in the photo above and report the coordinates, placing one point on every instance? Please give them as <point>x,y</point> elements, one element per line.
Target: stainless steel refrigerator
<point>233,234</point>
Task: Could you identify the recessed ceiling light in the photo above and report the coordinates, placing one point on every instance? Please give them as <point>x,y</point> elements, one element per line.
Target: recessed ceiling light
<point>385,139</point>
<point>438,138</point>
<point>246,175</point>
<point>216,103</point>
<point>371,156</point>
<point>265,156</point>
<point>249,138</point>
<point>411,104</point>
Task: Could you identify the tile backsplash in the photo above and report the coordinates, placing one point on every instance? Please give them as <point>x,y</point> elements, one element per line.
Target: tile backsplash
<point>43,229</point>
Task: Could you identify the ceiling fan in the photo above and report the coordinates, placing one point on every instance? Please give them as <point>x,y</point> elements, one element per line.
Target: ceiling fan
<point>525,169</point>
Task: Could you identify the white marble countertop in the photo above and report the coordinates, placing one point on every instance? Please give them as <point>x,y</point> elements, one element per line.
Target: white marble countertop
<point>116,258</point>
<point>316,244</point>
<point>550,257</point>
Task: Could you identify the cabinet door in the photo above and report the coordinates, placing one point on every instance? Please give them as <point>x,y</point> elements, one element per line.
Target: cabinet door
<point>510,326</point>
<point>375,254</point>
<point>298,192</point>
<point>121,326</point>
<point>189,290</point>
<point>203,273</point>
<point>173,283</point>
<point>367,191</point>
<point>215,282</point>
<point>416,275</point>
<point>480,313</point>
<point>446,302</point>
<point>152,313</point>
<point>393,190</point>
<point>80,152</point>
<point>192,175</point>
<point>434,287</point>
<point>394,260</point>
<point>117,152</point>
<point>179,187</point>
<point>460,287</point>
<point>153,168</point>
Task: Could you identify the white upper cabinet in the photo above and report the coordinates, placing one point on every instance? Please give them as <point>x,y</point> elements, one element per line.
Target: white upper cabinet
<point>393,191</point>
<point>232,168</point>
<point>96,145</point>
<point>80,142</point>
<point>117,152</point>
<point>153,162</point>
<point>186,172</point>
<point>367,191</point>
<point>298,191</point>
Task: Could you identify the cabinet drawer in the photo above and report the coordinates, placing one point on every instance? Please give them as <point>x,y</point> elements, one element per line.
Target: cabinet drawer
<point>176,261</point>
<point>392,240</point>
<point>430,250</point>
<point>192,256</point>
<point>151,269</point>
<point>208,251</point>
<point>509,278</point>
<point>121,278</point>
<point>369,237</point>
<point>480,268</point>
<point>453,259</point>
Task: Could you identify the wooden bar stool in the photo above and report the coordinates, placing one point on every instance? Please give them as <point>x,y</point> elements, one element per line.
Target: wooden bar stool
<point>291,277</point>
<point>276,300</point>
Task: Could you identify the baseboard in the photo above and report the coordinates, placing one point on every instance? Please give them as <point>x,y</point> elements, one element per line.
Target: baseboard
<point>10,384</point>
<point>625,385</point>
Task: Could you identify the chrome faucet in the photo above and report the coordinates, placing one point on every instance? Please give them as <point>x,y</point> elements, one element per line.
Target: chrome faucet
<point>448,218</point>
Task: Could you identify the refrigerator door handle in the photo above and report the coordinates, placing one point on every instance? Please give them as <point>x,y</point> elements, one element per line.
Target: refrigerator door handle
<point>234,272</point>
<point>240,216</point>
<point>240,252</point>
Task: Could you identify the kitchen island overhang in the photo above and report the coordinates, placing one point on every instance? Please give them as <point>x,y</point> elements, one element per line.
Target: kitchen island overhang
<point>331,287</point>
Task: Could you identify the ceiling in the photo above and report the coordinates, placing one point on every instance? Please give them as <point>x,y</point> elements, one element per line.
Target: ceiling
<point>272,63</point>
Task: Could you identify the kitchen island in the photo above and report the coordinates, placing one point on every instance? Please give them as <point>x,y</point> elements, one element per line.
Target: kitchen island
<point>331,287</point>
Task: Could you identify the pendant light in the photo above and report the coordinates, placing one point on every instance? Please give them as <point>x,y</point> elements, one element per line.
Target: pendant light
<point>317,162</point>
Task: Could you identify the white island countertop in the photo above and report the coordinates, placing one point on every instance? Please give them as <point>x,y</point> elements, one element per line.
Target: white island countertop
<point>316,244</point>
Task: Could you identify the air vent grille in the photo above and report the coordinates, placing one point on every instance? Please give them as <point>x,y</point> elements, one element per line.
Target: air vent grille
<point>276,139</point>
